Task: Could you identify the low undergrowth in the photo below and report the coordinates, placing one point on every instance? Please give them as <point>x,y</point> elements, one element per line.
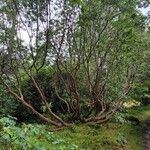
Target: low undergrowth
<point>120,134</point>
<point>112,136</point>
<point>30,137</point>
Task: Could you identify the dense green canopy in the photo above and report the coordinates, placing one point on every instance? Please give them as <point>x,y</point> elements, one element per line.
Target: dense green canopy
<point>91,50</point>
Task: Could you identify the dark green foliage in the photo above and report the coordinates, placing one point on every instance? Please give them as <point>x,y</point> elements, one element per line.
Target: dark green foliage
<point>141,93</point>
<point>145,100</point>
<point>133,120</point>
<point>45,79</point>
<point>141,90</point>
<point>8,104</point>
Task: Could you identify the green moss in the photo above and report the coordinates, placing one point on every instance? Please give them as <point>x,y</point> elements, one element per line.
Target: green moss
<point>109,136</point>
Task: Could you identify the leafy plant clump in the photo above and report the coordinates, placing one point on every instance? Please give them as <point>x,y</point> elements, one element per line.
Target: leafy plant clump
<point>31,136</point>
<point>120,117</point>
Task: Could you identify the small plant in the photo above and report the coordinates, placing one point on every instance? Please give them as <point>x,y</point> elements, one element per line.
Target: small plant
<point>5,121</point>
<point>119,117</point>
<point>121,139</point>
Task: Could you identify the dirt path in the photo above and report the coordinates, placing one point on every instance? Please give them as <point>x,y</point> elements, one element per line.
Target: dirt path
<point>146,135</point>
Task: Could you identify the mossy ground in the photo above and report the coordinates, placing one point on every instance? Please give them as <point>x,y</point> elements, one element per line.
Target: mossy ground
<point>109,136</point>
<point>106,137</point>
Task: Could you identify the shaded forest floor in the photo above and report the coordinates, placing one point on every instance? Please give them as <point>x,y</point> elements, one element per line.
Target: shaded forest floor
<point>115,135</point>
<point>143,115</point>
<point>146,135</point>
